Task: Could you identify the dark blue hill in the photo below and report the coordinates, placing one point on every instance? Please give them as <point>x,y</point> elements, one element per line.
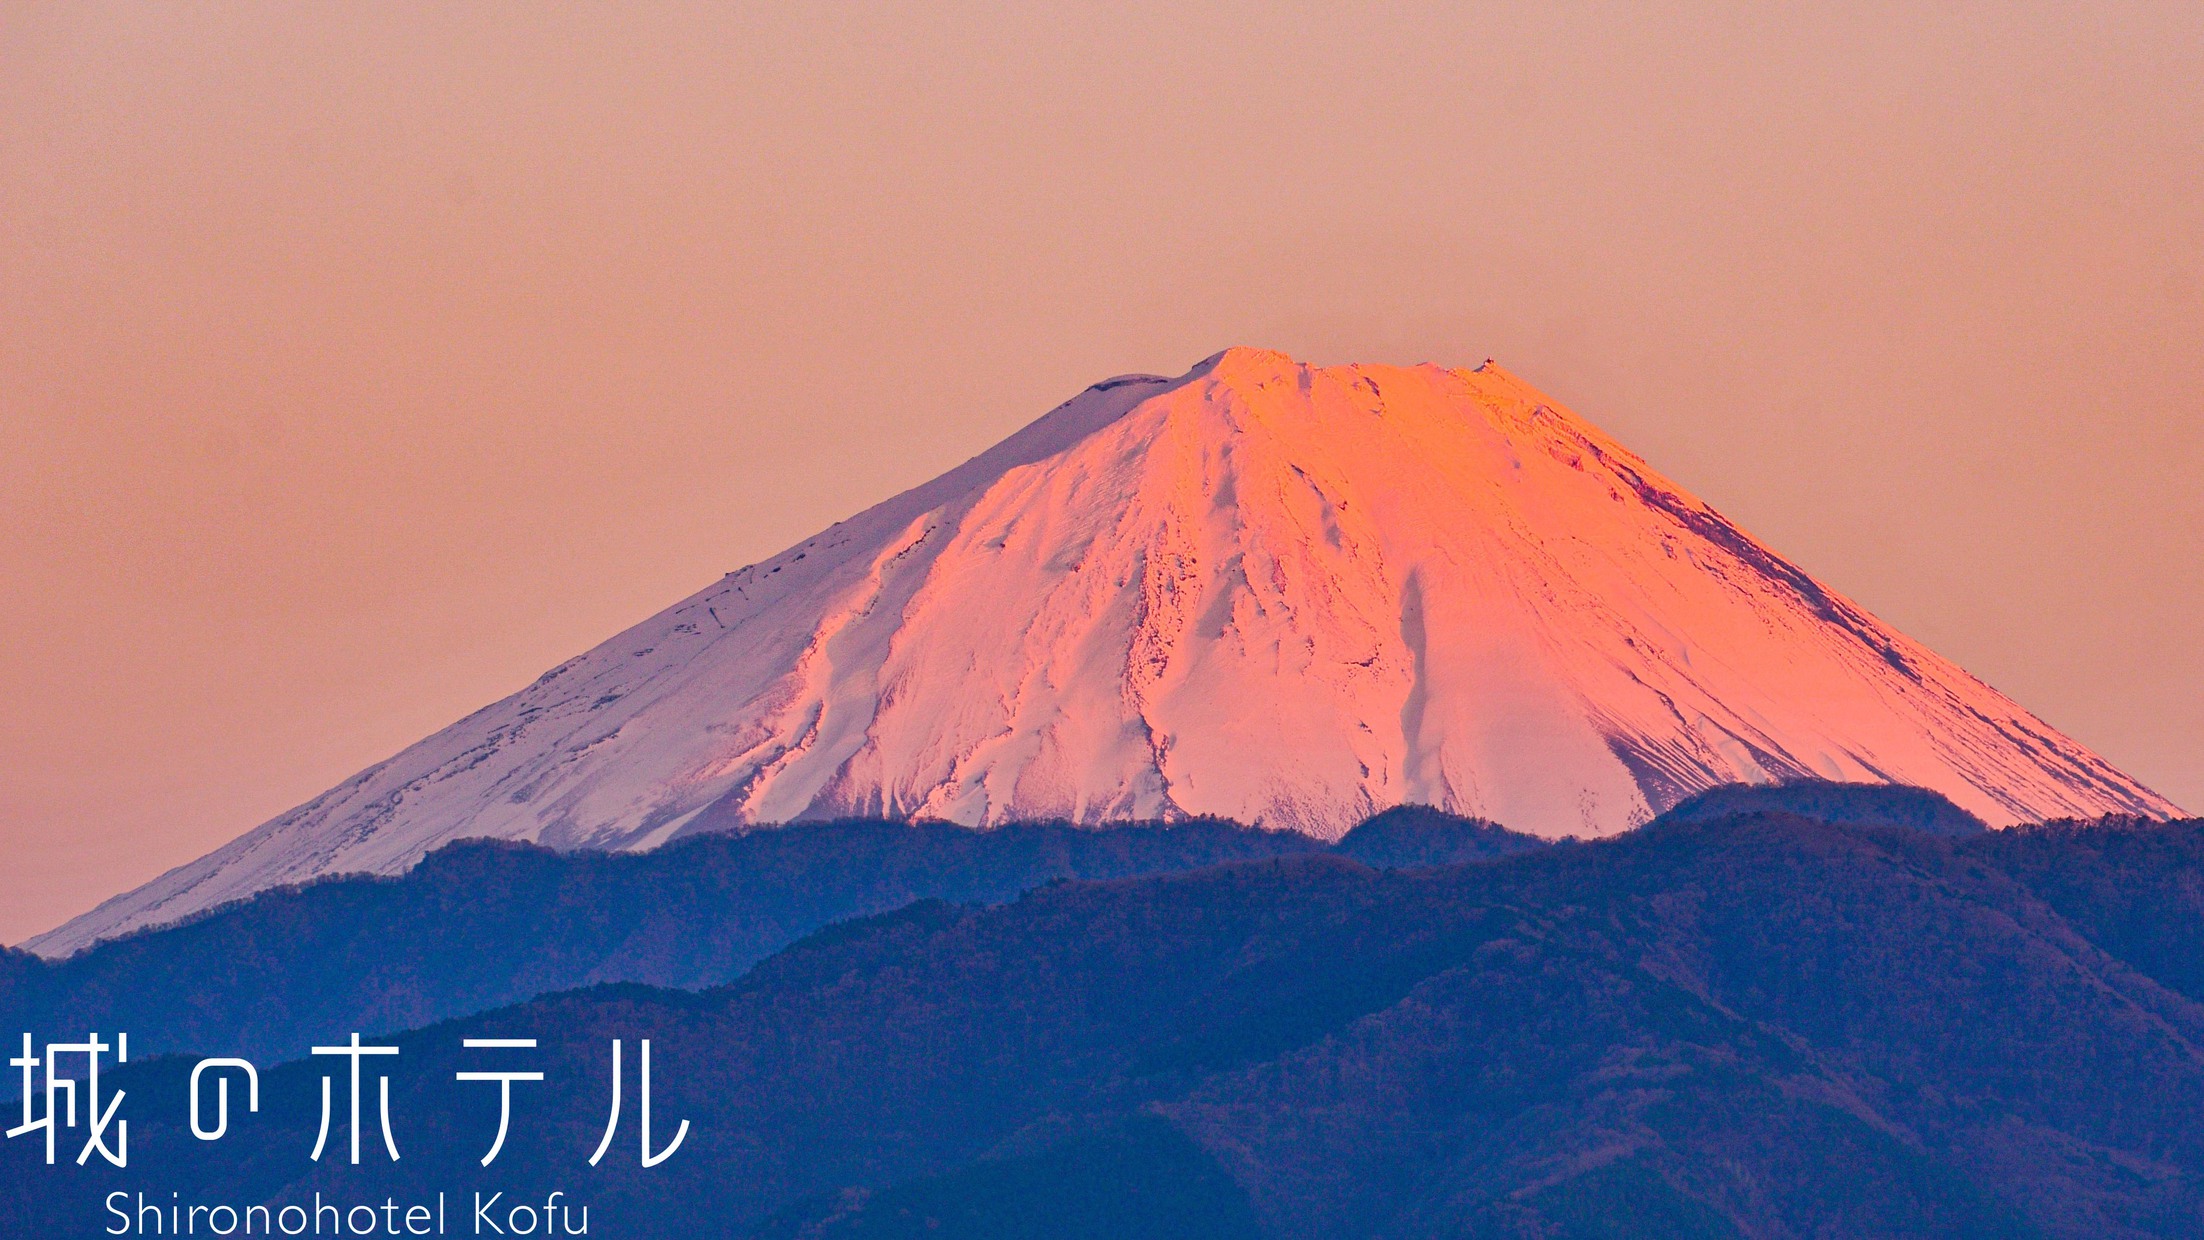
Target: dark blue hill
<point>1762,1026</point>
<point>479,924</point>
<point>1410,836</point>
<point>1861,805</point>
<point>482,923</point>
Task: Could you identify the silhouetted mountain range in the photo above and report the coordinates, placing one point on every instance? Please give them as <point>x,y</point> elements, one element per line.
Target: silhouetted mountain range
<point>482,923</point>
<point>1755,1025</point>
<point>1858,805</point>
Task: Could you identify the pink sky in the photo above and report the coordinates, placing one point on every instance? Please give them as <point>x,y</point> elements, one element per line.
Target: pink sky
<point>356,366</point>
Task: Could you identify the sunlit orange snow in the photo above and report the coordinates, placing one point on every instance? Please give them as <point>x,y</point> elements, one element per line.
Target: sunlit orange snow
<point>1279,593</point>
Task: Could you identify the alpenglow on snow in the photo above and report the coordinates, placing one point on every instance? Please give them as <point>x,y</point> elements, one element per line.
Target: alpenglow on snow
<point>1285,594</point>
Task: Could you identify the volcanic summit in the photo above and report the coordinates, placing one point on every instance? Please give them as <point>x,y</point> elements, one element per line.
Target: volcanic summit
<point>1286,594</point>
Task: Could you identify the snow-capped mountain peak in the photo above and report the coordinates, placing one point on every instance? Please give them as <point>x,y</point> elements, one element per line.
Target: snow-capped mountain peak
<point>1286,594</point>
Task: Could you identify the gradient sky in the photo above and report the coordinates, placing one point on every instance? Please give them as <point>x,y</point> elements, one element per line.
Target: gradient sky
<point>357,363</point>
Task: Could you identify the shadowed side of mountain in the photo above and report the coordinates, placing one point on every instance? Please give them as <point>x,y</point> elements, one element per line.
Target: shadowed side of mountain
<point>1139,1178</point>
<point>482,923</point>
<point>2134,886</point>
<point>1864,805</point>
<point>1408,836</point>
<point>1765,1026</point>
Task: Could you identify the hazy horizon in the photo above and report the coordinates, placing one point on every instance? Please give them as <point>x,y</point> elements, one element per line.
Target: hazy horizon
<point>357,366</point>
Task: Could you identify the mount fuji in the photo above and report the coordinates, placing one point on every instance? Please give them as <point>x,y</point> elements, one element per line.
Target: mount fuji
<point>1284,594</point>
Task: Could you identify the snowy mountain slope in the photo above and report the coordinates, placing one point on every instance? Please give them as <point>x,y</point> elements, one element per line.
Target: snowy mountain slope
<point>1283,594</point>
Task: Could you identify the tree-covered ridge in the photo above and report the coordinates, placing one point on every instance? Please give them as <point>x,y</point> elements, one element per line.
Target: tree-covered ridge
<point>1762,1026</point>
